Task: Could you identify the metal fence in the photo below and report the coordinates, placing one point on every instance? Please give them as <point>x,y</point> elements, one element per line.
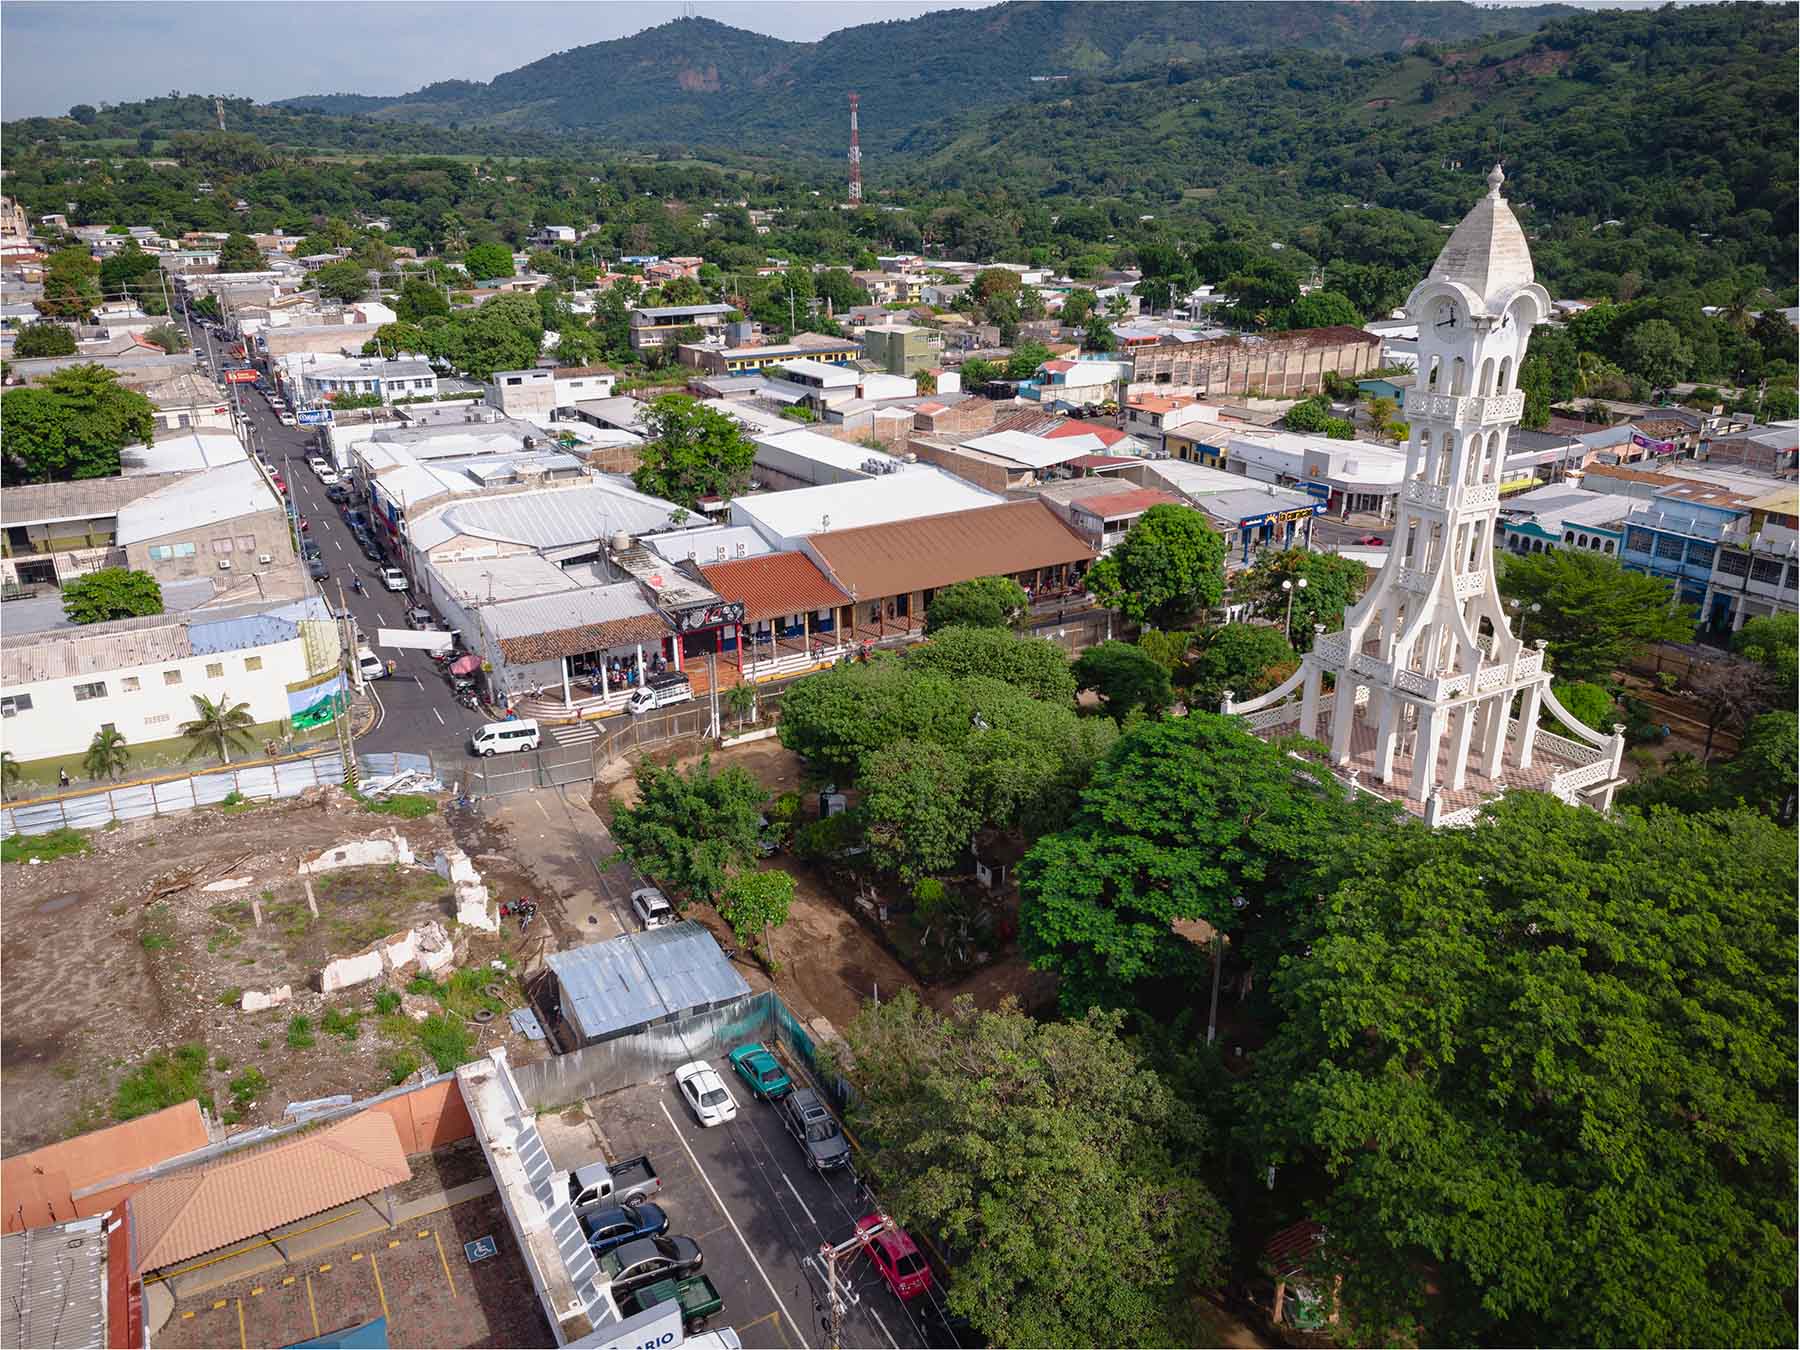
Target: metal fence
<point>159,797</point>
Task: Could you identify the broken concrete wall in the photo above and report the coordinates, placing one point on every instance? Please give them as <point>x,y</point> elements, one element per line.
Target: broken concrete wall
<point>371,852</point>
<point>472,899</point>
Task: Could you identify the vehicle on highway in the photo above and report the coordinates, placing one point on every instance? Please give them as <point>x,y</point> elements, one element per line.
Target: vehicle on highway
<point>371,665</point>
<point>815,1129</point>
<point>705,1093</point>
<point>317,570</point>
<point>609,1228</point>
<point>761,1071</point>
<point>599,1185</point>
<point>896,1256</point>
<point>659,691</point>
<point>697,1296</point>
<point>394,579</point>
<point>499,738</point>
<point>648,1260</point>
<point>652,907</point>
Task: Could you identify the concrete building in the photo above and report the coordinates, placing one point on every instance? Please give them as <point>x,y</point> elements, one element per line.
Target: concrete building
<point>1349,477</point>
<point>189,401</point>
<point>1254,517</point>
<point>1100,510</point>
<point>657,325</point>
<point>899,348</point>
<point>799,458</point>
<point>1757,572</point>
<point>52,533</point>
<point>544,393</point>
<point>224,524</point>
<point>786,518</point>
<point>749,360</point>
<point>320,381</point>
<point>1279,365</point>
<point>1562,515</point>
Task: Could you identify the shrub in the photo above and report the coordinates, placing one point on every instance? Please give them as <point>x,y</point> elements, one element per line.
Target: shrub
<point>447,1041</point>
<point>247,1087</point>
<point>407,805</point>
<point>342,1024</point>
<point>61,842</point>
<point>387,1001</point>
<point>401,1065</point>
<point>165,1079</point>
<point>300,1033</point>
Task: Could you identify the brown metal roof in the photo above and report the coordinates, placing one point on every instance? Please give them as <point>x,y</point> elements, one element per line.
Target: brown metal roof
<point>774,585</point>
<point>913,555</point>
<point>584,638</point>
<point>247,1193</point>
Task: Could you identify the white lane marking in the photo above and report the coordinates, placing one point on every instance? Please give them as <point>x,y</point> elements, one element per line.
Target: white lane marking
<point>338,545</point>
<point>883,1325</point>
<point>440,717</point>
<point>748,1251</point>
<point>797,1200</point>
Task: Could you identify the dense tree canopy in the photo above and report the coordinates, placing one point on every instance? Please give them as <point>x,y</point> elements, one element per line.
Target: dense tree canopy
<point>1595,614</point>
<point>694,452</point>
<point>72,425</point>
<point>111,593</point>
<point>1127,678</point>
<point>689,831</point>
<point>1550,1061</point>
<point>1249,659</point>
<point>1333,584</point>
<point>1051,1164</point>
<point>1170,563</point>
<point>43,339</point>
<point>1035,665</point>
<point>981,602</point>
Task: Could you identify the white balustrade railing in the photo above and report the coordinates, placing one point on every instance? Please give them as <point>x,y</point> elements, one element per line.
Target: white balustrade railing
<point>1479,496</point>
<point>1332,650</point>
<point>1420,493</point>
<point>1412,579</point>
<point>1413,682</point>
<point>1572,752</point>
<point>1373,667</point>
<point>1492,678</point>
<point>1530,663</point>
<point>1272,717</point>
<point>1470,583</point>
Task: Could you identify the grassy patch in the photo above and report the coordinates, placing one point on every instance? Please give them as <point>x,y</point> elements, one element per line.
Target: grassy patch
<point>387,1001</point>
<point>58,843</point>
<point>406,805</point>
<point>400,1065</point>
<point>247,1087</point>
<point>300,1034</point>
<point>164,1079</point>
<point>223,941</point>
<point>291,916</point>
<point>221,1063</point>
<point>343,1024</point>
<point>231,997</point>
<point>447,1040</point>
<point>465,992</point>
<point>159,929</point>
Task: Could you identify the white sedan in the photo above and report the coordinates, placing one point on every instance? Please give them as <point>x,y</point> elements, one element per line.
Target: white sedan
<point>704,1091</point>
<point>328,476</point>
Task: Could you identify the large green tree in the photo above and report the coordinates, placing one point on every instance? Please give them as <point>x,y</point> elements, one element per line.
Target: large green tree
<point>486,262</point>
<point>1188,818</point>
<point>981,602</point>
<point>1545,1067</point>
<point>111,593</point>
<point>419,300</point>
<point>73,425</point>
<point>1594,613</point>
<point>694,452</point>
<point>346,280</point>
<point>1052,1166</point>
<point>1333,584</point>
<point>1036,665</point>
<point>239,253</point>
<point>690,830</point>
<point>1126,677</point>
<point>1765,772</point>
<point>1170,563</point>
<point>1773,642</point>
<point>756,903</point>
<point>1249,659</point>
<point>41,338</point>
<point>915,808</point>
<point>218,727</point>
<point>71,285</point>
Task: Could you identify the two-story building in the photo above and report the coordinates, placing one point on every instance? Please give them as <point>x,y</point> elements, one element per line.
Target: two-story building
<point>1151,417</point>
<point>1561,515</point>
<point>898,348</point>
<point>657,325</point>
<point>323,380</point>
<point>751,359</point>
<point>542,392</point>
<point>1676,535</point>
<point>1757,572</point>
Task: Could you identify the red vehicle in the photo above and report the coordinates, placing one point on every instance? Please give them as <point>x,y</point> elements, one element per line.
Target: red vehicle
<point>279,483</point>
<point>1371,541</point>
<point>897,1257</point>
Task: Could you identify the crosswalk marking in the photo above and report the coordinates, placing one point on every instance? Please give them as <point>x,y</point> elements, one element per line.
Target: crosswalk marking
<point>579,734</point>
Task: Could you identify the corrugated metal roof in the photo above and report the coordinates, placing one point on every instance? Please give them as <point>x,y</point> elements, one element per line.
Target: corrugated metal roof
<point>923,490</point>
<point>916,555</point>
<point>566,609</point>
<point>558,517</point>
<point>37,503</point>
<point>610,988</point>
<point>220,494</point>
<point>55,1281</point>
<point>125,643</point>
<point>670,311</point>
<point>230,635</point>
<point>247,1193</point>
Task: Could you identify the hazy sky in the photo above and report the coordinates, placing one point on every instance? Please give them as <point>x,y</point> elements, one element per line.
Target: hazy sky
<point>58,53</point>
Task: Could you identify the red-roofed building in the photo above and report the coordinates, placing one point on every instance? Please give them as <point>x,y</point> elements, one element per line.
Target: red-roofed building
<point>788,602</point>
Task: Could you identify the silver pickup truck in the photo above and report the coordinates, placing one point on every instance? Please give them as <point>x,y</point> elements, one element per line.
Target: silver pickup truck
<point>622,1183</point>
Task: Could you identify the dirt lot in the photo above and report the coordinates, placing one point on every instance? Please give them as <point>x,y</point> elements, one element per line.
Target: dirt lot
<point>108,959</point>
<point>830,962</point>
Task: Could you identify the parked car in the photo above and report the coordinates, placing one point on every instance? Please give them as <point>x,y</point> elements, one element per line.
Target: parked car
<point>338,492</point>
<point>602,1185</point>
<point>394,579</point>
<point>648,1260</point>
<point>761,1071</point>
<point>371,665</point>
<point>698,1296</point>
<point>609,1228</point>
<point>897,1257</point>
<point>705,1093</point>
<point>419,617</point>
<point>357,521</point>
<point>317,570</point>
<point>659,691</point>
<point>370,549</point>
<point>815,1129</point>
<point>652,907</point>
<point>326,476</point>
<point>309,549</point>
<point>1371,541</point>
<point>287,419</point>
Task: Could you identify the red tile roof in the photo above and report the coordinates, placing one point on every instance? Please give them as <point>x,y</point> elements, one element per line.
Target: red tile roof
<point>1073,427</point>
<point>774,585</point>
<point>1113,505</point>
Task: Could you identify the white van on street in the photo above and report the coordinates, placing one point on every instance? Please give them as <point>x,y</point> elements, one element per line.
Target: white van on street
<point>498,738</point>
<point>371,665</point>
<point>659,691</point>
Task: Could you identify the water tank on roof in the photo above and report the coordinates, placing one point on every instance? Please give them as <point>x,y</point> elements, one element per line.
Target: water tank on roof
<point>621,541</point>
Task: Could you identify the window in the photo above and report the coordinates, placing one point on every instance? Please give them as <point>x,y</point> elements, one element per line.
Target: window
<point>129,684</point>
<point>164,552</point>
<point>1639,541</point>
<point>221,546</point>
<point>1765,569</point>
<point>85,692</point>
<point>1609,546</point>
<point>171,677</point>
<point>252,663</point>
<point>1734,564</point>
<point>1701,554</point>
<point>157,720</point>
<point>215,670</point>
<point>1668,546</point>
<point>15,703</point>
<point>514,379</point>
<point>246,543</point>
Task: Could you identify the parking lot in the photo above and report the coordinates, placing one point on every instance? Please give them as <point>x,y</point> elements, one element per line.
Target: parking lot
<point>417,1276</point>
<point>743,1192</point>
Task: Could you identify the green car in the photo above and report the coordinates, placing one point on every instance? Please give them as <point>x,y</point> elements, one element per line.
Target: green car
<point>761,1073</point>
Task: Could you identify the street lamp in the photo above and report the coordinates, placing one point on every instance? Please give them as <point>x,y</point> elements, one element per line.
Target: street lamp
<point>1287,628</point>
<point>1525,612</point>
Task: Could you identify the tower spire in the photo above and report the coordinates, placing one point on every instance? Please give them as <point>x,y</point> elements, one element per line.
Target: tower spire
<point>855,158</point>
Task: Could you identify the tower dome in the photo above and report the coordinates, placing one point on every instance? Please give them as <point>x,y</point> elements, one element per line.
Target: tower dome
<point>1487,252</point>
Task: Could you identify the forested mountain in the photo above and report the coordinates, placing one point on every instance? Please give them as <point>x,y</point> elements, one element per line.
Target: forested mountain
<point>698,80</point>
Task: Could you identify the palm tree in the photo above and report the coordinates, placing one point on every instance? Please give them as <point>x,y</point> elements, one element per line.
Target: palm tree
<point>10,772</point>
<point>219,726</point>
<point>106,754</point>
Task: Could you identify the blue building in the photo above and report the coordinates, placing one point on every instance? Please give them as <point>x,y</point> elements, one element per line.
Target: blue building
<point>1676,535</point>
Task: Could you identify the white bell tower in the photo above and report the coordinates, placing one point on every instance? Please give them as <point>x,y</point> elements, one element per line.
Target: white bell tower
<point>1426,669</point>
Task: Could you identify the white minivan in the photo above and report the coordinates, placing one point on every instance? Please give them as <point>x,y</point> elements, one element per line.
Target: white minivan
<point>498,738</point>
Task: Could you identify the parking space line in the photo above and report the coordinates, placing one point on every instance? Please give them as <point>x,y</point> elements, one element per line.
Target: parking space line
<point>446,1262</point>
<point>379,1291</point>
<point>798,1201</point>
<point>720,1202</point>
<point>311,1306</point>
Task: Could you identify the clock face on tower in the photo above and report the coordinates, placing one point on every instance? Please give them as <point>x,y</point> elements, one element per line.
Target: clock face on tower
<point>1446,316</point>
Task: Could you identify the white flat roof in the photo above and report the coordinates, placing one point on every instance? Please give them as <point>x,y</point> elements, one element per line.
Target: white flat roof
<point>922,491</point>
<point>1559,504</point>
<point>1035,452</point>
<point>830,375</point>
<point>224,493</point>
<point>821,449</point>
